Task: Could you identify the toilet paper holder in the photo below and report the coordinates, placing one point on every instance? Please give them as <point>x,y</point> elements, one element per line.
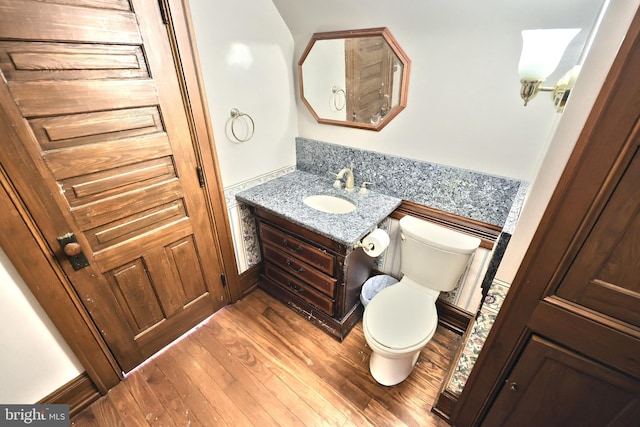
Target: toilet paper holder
<point>374,243</point>
<point>370,246</point>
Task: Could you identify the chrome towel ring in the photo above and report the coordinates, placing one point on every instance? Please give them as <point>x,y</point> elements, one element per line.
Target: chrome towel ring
<point>339,98</point>
<point>235,115</point>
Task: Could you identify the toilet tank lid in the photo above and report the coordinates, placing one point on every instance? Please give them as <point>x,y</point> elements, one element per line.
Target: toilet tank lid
<point>438,236</point>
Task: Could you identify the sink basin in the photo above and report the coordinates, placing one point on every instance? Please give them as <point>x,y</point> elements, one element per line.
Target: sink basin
<point>329,204</point>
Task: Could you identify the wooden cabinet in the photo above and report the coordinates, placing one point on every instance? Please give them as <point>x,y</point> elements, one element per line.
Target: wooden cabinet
<point>316,276</point>
<point>553,386</point>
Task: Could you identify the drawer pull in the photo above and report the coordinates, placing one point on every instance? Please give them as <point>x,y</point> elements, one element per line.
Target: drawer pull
<point>300,270</point>
<point>285,242</point>
<point>294,286</point>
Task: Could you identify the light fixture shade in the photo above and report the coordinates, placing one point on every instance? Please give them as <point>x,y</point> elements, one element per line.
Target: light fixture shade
<point>542,51</point>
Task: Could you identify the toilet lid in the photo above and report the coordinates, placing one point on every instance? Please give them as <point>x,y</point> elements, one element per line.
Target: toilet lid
<point>400,317</point>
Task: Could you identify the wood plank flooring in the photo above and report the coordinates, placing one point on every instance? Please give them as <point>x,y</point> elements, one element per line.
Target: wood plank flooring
<point>257,363</point>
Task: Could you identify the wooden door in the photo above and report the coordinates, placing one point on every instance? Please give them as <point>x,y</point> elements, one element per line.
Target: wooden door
<point>565,348</point>
<point>551,386</point>
<point>605,275</point>
<point>100,125</point>
<point>369,74</point>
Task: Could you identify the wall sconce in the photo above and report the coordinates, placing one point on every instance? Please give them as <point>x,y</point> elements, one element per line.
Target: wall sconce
<point>541,54</point>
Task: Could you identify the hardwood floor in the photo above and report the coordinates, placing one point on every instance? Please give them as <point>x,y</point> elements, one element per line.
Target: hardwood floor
<point>257,363</point>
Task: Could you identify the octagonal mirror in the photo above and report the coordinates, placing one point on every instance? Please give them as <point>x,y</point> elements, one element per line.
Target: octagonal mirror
<point>355,78</point>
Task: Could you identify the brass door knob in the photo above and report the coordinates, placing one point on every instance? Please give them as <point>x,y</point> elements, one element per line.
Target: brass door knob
<point>72,249</point>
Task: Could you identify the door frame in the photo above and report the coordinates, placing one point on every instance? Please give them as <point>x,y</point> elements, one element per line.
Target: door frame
<point>592,166</point>
<point>33,259</point>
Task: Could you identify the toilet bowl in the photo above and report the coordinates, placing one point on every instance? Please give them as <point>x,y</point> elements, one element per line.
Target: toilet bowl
<point>398,323</point>
<point>401,319</point>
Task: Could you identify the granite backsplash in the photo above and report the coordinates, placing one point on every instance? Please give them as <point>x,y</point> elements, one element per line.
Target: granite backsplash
<point>487,198</point>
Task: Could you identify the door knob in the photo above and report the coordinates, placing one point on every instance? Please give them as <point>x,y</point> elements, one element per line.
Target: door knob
<point>73,251</point>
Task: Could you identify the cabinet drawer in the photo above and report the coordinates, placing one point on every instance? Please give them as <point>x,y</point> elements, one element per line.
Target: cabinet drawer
<point>299,288</point>
<point>301,270</point>
<point>304,251</point>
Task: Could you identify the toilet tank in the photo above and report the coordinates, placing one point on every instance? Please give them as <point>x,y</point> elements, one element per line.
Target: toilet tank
<point>433,255</point>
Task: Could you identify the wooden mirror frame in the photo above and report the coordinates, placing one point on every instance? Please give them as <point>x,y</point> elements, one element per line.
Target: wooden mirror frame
<point>355,34</point>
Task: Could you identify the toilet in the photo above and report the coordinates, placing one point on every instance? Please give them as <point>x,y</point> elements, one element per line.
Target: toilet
<point>401,319</point>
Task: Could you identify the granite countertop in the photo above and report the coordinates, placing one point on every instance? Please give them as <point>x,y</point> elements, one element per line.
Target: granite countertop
<point>284,196</point>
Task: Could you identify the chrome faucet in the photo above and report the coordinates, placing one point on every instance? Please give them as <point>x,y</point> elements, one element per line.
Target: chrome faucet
<point>348,182</point>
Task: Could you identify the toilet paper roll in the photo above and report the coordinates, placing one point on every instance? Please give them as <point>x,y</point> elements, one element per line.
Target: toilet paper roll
<point>375,242</point>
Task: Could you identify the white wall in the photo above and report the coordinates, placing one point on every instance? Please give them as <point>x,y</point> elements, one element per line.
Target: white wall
<point>246,52</point>
<point>612,30</point>
<point>464,107</point>
<point>34,359</point>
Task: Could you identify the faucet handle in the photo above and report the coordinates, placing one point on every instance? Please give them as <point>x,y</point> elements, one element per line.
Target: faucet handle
<point>363,189</point>
<point>337,183</point>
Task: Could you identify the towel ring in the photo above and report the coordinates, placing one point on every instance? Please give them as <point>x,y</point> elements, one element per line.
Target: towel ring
<point>336,98</point>
<point>236,114</point>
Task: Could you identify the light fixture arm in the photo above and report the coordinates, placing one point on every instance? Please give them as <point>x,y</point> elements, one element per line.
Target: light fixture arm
<point>559,92</point>
<point>530,89</point>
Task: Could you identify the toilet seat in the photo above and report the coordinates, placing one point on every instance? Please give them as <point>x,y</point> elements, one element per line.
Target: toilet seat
<point>400,317</point>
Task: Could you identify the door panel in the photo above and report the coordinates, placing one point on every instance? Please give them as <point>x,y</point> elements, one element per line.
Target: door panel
<point>61,20</point>
<point>82,129</point>
<point>604,275</point>
<point>46,61</point>
<point>618,347</point>
<point>135,293</point>
<point>117,144</point>
<point>369,73</point>
<point>34,97</point>
<point>551,386</point>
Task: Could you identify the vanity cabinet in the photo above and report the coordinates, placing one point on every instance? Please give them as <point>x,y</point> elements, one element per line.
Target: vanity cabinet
<point>313,274</point>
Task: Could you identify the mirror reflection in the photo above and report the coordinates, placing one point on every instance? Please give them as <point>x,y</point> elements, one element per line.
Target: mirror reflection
<point>355,78</point>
